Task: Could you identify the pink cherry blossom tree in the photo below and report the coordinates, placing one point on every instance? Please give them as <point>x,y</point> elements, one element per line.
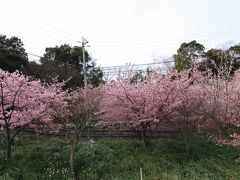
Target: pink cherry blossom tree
<point>188,119</point>
<point>83,107</point>
<point>207,106</point>
<point>229,115</point>
<point>222,106</point>
<point>144,105</point>
<point>26,103</point>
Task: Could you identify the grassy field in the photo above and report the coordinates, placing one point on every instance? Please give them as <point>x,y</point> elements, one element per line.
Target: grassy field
<point>121,159</point>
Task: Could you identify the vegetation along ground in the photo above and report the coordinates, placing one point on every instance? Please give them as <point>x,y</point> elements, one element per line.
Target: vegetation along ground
<point>120,159</point>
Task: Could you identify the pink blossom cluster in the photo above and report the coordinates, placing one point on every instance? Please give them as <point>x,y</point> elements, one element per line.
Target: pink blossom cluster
<point>24,101</point>
<point>232,141</point>
<point>188,100</point>
<point>229,111</point>
<point>149,102</point>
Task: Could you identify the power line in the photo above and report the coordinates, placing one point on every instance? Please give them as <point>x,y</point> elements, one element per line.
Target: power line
<point>63,32</point>
<point>50,29</point>
<point>114,71</point>
<point>150,42</point>
<point>168,42</point>
<point>62,63</point>
<point>114,67</point>
<point>223,30</point>
<point>52,32</point>
<point>159,44</point>
<point>51,37</point>
<point>144,64</point>
<point>45,32</point>
<point>35,55</point>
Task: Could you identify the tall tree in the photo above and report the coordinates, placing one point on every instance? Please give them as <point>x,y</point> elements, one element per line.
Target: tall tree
<point>234,53</point>
<point>187,54</point>
<point>12,54</point>
<point>83,108</point>
<point>25,103</point>
<point>66,63</point>
<point>144,105</point>
<point>219,59</point>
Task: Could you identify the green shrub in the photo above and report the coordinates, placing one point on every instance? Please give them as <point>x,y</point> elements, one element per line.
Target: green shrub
<point>121,159</point>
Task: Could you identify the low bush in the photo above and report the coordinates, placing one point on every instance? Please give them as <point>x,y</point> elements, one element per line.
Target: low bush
<point>122,159</point>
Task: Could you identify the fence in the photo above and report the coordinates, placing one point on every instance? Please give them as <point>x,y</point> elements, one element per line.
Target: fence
<point>106,133</point>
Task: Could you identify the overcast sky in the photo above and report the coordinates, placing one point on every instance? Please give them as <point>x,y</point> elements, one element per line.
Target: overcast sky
<point>121,31</point>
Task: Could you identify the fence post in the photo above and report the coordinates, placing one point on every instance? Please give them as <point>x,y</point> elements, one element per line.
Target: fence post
<point>141,174</point>
<point>66,135</point>
<point>88,134</point>
<point>110,133</point>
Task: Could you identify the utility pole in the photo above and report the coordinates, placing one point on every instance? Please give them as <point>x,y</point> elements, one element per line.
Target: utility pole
<point>84,42</point>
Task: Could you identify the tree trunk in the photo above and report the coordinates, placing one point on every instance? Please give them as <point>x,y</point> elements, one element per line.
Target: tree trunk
<point>187,138</point>
<point>187,143</point>
<point>8,146</point>
<point>144,136</point>
<point>72,156</point>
